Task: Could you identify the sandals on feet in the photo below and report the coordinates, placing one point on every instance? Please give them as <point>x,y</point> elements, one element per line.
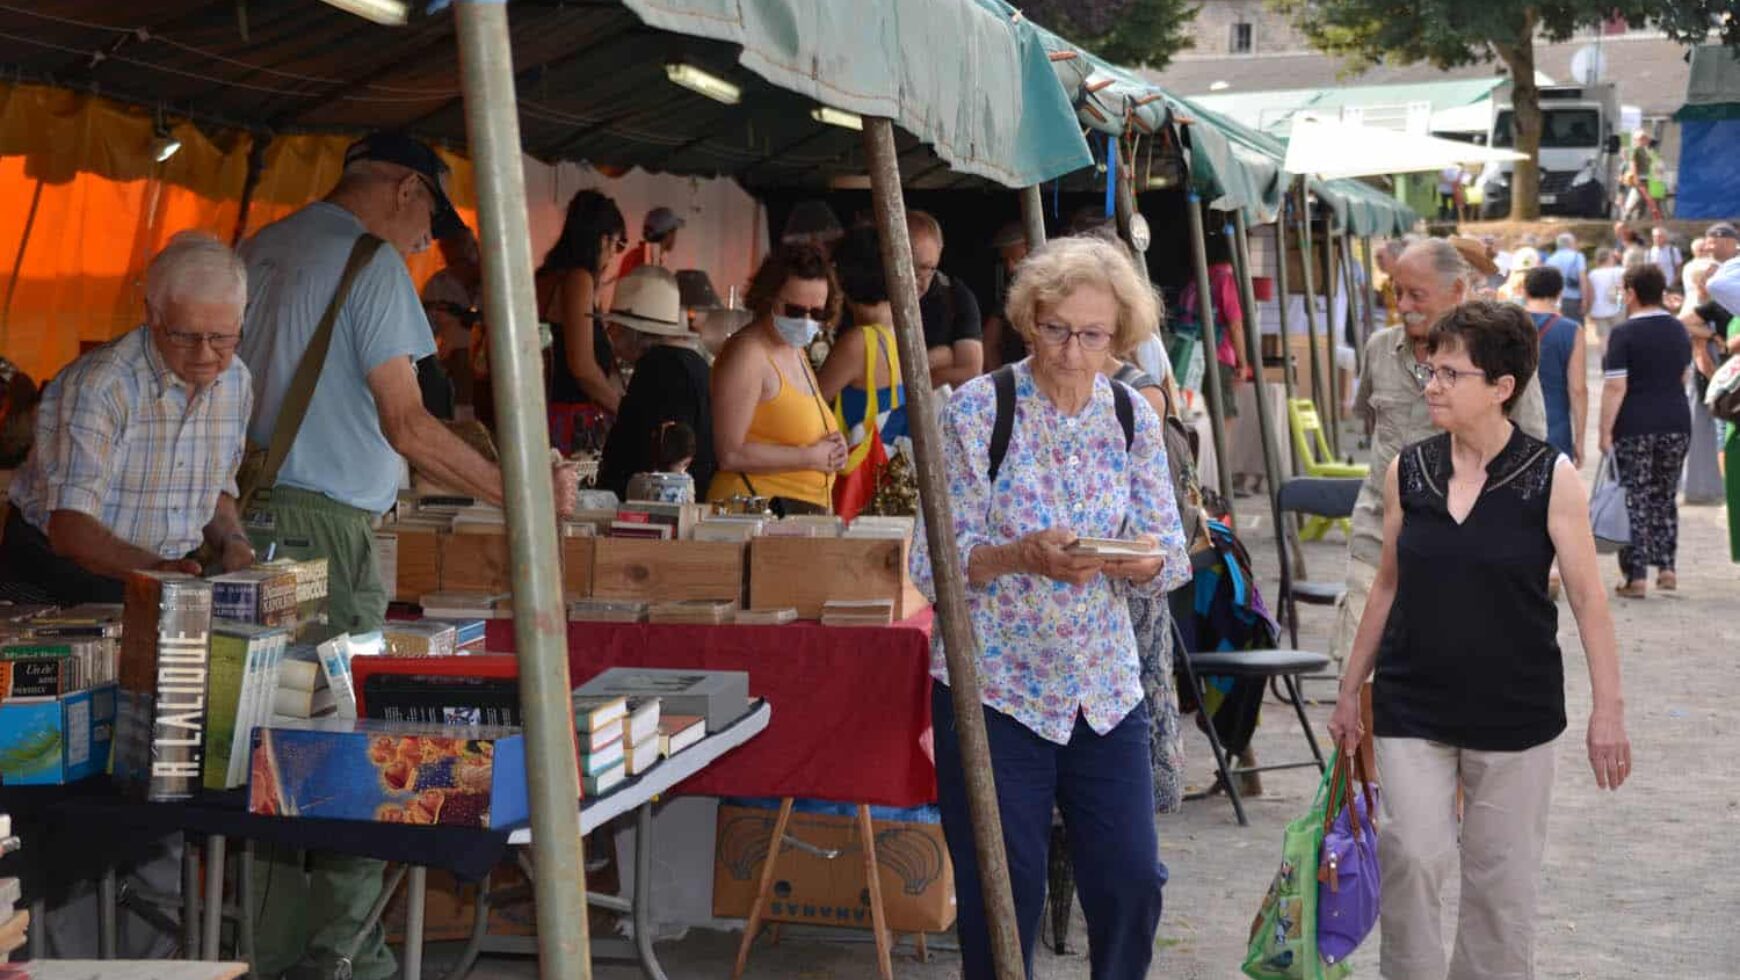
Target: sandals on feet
<point>1632,590</point>
<point>1667,581</point>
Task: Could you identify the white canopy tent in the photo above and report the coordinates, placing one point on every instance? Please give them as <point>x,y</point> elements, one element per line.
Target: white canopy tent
<point>1329,149</point>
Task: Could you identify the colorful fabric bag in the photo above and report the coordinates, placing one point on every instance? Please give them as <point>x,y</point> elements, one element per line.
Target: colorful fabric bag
<point>1283,943</point>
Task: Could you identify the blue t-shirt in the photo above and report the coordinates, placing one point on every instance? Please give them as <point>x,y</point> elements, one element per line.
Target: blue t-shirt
<point>1651,353</point>
<point>1558,340</point>
<point>293,269</point>
<point>1571,264</point>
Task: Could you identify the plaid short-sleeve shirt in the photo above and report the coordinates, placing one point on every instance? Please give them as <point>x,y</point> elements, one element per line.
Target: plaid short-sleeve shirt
<point>120,437</point>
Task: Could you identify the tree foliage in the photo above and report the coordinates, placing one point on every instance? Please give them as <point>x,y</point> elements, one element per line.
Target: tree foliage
<point>1128,32</point>
<point>1447,33</point>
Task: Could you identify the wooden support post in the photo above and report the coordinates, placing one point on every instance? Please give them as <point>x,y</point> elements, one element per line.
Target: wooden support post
<point>1310,274</point>
<point>873,883</point>
<point>758,908</point>
<point>1254,353</point>
<point>960,646</point>
<point>1210,343</point>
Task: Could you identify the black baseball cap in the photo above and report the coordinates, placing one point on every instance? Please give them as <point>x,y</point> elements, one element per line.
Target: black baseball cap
<point>390,146</point>
<point>1722,229</point>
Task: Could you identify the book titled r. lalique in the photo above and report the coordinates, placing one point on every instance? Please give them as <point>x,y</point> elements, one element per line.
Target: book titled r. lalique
<point>165,658</point>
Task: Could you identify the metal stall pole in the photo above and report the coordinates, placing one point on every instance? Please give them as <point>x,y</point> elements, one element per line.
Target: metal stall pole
<point>1353,321</point>
<point>1254,354</point>
<point>1033,217</point>
<point>540,626</point>
<point>1305,262</point>
<point>959,645</point>
<point>1211,367</point>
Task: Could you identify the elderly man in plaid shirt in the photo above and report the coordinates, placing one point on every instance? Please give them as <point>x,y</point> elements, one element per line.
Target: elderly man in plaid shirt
<point>137,443</point>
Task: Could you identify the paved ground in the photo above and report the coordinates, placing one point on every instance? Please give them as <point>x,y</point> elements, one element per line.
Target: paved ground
<point>1642,883</point>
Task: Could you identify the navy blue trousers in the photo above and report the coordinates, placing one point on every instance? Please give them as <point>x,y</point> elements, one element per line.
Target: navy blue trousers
<point>1104,787</point>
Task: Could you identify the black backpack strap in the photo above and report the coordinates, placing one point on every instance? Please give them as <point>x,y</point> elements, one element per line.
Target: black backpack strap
<point>1003,380</point>
<point>1126,412</point>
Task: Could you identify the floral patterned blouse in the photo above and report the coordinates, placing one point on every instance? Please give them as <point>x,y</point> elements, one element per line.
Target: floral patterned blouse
<point>1047,649</point>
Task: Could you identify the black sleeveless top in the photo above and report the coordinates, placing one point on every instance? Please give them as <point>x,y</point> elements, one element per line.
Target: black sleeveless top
<point>1470,654</point>
<point>564,387</point>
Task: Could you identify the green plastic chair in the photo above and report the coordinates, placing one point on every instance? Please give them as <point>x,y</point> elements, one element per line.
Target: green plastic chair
<point>1312,447</point>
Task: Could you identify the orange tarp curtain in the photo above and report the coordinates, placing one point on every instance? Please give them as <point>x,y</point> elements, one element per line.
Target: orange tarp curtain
<point>82,194</point>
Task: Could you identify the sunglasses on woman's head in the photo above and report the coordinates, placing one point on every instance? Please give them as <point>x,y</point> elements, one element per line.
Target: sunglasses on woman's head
<point>796,312</point>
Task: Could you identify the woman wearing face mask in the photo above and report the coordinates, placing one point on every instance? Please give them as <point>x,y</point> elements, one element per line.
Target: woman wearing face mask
<point>775,435</point>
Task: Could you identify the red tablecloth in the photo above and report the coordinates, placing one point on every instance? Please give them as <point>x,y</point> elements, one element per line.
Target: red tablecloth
<point>850,704</point>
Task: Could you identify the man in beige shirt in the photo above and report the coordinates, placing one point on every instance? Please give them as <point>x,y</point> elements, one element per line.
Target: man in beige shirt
<point>1431,278</point>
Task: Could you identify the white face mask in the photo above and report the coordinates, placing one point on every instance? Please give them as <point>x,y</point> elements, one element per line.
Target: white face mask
<point>797,331</point>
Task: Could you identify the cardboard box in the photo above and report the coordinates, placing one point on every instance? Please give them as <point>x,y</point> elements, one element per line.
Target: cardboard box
<point>804,573</point>
<point>419,560</point>
<point>918,880</point>
<point>667,571</point>
<point>391,772</point>
<point>576,566</point>
<point>450,907</point>
<point>476,559</point>
<point>50,741</point>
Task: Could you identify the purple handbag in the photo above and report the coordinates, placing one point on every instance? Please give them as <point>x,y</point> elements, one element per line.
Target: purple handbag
<point>1347,873</point>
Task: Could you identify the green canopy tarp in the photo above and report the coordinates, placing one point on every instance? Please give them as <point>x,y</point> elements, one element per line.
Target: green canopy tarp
<point>959,75</point>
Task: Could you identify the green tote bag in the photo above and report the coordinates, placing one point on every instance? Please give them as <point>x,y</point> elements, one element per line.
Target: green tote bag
<point>1283,942</point>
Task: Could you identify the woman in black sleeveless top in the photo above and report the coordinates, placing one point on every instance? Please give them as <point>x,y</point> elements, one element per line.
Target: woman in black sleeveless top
<point>1470,688</point>
<point>585,387</point>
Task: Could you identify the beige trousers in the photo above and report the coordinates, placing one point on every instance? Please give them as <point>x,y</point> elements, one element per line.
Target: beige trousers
<point>1502,836</point>
<point>1349,608</point>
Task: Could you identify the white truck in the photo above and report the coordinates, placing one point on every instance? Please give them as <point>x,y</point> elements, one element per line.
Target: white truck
<point>1579,159</point>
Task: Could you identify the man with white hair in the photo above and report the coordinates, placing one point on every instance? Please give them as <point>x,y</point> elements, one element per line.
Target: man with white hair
<point>1432,277</point>
<point>138,441</point>
<point>1575,269</point>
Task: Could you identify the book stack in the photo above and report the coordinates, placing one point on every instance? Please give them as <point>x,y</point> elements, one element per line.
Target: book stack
<point>461,605</point>
<point>301,690</point>
<point>420,638</point>
<point>640,735</point>
<point>804,526</point>
<point>765,617</point>
<point>678,732</point>
<point>269,596</point>
<point>161,714</point>
<point>718,696</point>
<point>240,695</point>
<point>314,681</point>
<point>858,612</point>
<point>599,519</point>
<point>468,633</point>
<point>634,517</point>
<point>598,724</point>
<point>870,526</point>
<point>607,611</point>
<point>703,612</point>
<point>48,667</point>
<point>311,591</point>
<point>729,527</point>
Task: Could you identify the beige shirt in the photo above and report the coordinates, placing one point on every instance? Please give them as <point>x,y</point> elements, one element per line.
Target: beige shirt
<point>1393,403</point>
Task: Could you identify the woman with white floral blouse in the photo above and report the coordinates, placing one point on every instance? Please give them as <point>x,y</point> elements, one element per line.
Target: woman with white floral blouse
<point>1057,657</point>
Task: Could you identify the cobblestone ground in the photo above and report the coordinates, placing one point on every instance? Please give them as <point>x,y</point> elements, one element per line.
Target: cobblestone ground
<point>1640,883</point>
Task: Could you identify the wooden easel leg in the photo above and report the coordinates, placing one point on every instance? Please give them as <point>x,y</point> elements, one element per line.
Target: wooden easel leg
<point>878,918</point>
<point>767,871</point>
<point>922,951</point>
<point>773,934</point>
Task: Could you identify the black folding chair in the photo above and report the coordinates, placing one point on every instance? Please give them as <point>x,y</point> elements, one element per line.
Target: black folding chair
<point>1269,665</point>
<point>1312,496</point>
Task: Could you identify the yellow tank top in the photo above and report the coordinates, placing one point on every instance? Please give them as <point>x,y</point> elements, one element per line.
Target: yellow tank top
<point>792,417</point>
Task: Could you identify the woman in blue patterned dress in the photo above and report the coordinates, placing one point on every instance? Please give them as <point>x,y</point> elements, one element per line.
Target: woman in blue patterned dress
<point>1058,665</point>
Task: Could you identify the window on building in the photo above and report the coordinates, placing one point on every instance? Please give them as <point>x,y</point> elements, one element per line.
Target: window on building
<point>1243,38</point>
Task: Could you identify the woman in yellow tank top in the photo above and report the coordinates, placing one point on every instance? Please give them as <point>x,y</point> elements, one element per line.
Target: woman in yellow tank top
<point>774,434</point>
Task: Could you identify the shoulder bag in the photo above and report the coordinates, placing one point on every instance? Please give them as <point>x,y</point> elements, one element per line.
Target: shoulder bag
<point>260,464</point>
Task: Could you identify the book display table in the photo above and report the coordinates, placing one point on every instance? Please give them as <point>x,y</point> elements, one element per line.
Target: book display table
<point>851,704</point>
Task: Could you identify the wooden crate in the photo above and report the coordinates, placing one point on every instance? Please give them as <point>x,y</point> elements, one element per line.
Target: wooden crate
<point>476,560</point>
<point>419,561</point>
<point>667,571</point>
<point>577,567</point>
<point>804,573</point>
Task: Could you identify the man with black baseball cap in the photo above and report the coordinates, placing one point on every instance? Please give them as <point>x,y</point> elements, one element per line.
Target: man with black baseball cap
<point>342,468</point>
<point>1724,285</point>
